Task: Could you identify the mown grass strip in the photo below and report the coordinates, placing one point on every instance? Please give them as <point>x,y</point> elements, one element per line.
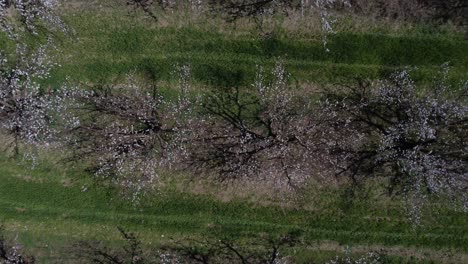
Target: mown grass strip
<point>48,202</point>
<point>104,48</point>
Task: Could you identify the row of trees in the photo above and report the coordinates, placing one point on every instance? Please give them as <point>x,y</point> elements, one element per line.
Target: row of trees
<point>257,10</point>
<point>127,132</point>
<point>414,137</point>
<point>267,249</point>
<point>407,10</point>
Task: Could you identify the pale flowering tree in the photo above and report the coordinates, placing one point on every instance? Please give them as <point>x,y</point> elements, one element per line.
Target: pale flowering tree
<point>235,9</point>
<point>182,113</point>
<point>34,16</point>
<point>125,132</point>
<point>11,252</point>
<point>369,258</point>
<point>147,6</point>
<point>326,18</point>
<point>25,107</point>
<point>257,10</point>
<point>119,133</point>
<point>267,133</point>
<point>414,137</point>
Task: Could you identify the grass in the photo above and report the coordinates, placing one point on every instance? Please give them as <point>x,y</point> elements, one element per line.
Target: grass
<point>49,208</point>
<point>106,46</point>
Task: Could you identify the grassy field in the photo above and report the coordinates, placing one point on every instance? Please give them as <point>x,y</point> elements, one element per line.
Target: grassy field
<point>47,209</point>
<point>110,46</point>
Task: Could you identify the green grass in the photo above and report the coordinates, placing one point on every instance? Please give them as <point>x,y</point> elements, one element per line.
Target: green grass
<point>41,209</point>
<point>106,46</point>
<point>111,45</point>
